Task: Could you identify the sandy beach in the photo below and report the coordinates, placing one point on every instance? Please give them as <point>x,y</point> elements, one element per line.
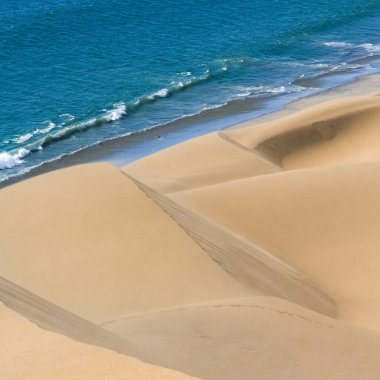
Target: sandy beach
<point>246,253</point>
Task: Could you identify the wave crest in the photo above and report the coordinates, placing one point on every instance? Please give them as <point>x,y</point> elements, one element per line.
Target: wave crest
<point>9,160</point>
<point>117,113</point>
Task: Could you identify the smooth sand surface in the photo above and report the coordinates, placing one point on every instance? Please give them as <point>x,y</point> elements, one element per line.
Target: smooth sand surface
<point>254,266</point>
<point>88,240</point>
<point>28,352</point>
<point>256,338</point>
<point>199,162</point>
<point>324,222</point>
<point>248,253</point>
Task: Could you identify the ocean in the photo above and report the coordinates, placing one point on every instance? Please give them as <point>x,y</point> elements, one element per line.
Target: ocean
<point>75,73</point>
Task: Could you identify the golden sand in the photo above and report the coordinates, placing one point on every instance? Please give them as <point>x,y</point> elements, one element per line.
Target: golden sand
<point>248,253</point>
<point>28,352</point>
<point>88,240</point>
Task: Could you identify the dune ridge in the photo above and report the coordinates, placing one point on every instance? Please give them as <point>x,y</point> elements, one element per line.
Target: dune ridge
<point>245,260</point>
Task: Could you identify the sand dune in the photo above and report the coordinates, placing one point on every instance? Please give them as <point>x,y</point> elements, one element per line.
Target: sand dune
<point>248,253</point>
<point>343,130</point>
<point>254,266</point>
<point>88,240</point>
<point>258,338</point>
<point>202,161</point>
<point>323,221</point>
<point>28,352</point>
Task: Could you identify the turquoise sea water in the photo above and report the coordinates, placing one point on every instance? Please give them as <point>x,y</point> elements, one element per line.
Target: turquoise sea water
<point>74,73</point>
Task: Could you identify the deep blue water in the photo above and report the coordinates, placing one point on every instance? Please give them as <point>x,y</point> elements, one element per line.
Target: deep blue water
<point>77,72</point>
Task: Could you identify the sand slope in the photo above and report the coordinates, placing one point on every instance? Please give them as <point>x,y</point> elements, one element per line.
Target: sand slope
<point>322,221</point>
<point>202,161</point>
<point>88,240</point>
<point>28,352</point>
<point>258,338</point>
<point>339,131</point>
<point>245,260</point>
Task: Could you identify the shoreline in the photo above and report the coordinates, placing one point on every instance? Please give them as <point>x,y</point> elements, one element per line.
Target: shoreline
<point>240,113</point>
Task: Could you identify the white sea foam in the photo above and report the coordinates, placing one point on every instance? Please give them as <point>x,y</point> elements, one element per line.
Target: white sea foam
<point>159,94</point>
<point>277,90</point>
<point>337,44</point>
<point>370,47</point>
<point>347,66</point>
<point>67,116</point>
<point>266,90</point>
<point>9,160</point>
<point>258,90</point>
<point>179,85</point>
<point>320,65</point>
<point>118,112</point>
<point>185,73</point>
<point>242,94</point>
<point>41,131</point>
<point>228,63</point>
<point>207,108</point>
<point>23,138</point>
<point>308,65</point>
